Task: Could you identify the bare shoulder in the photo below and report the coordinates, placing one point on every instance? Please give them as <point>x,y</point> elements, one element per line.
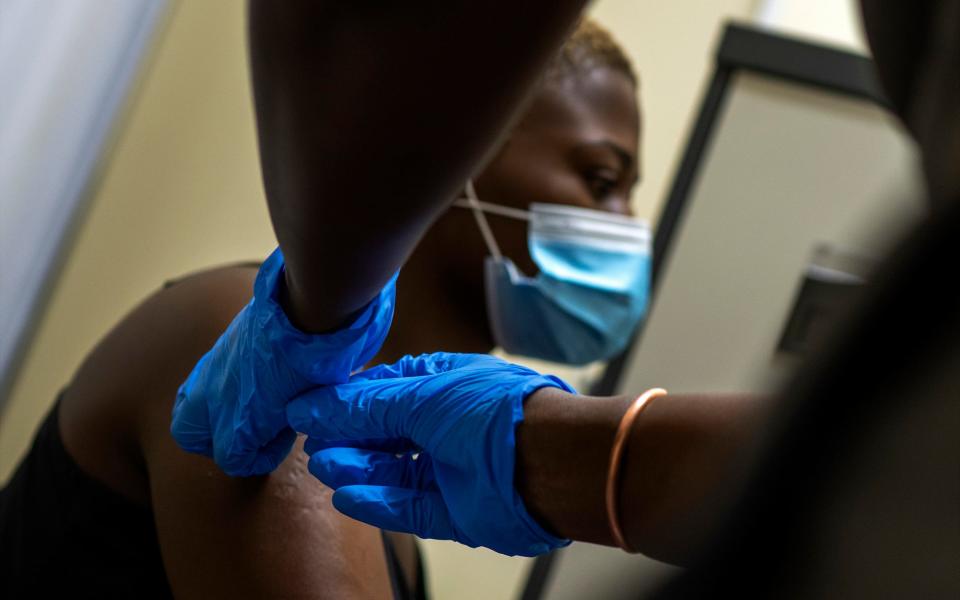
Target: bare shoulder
<point>129,380</point>
<point>272,536</point>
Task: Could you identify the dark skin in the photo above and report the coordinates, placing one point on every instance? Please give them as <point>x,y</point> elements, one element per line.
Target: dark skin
<point>683,452</point>
<point>398,162</point>
<point>278,536</point>
<point>681,457</point>
<point>115,419</point>
<point>682,449</point>
<point>686,452</point>
<point>115,416</point>
<point>127,444</point>
<point>577,144</point>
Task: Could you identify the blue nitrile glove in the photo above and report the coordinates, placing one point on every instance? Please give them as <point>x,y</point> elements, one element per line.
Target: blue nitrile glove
<point>460,411</point>
<point>231,406</point>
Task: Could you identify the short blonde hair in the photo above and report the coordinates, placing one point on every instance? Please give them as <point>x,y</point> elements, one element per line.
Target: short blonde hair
<point>590,47</point>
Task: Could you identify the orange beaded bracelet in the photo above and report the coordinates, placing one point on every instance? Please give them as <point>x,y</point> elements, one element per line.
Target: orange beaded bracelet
<point>616,454</point>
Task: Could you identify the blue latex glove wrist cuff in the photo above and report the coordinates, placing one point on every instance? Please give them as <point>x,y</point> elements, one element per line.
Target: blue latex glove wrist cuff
<point>549,541</point>
<point>320,359</point>
<point>232,405</point>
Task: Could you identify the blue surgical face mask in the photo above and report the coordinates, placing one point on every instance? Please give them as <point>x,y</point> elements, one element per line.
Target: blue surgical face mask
<point>591,291</point>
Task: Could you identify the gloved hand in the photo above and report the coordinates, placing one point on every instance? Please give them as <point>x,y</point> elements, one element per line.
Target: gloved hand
<point>460,412</point>
<point>231,406</point>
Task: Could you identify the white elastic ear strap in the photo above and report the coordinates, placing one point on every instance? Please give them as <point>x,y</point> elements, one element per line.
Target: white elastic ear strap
<point>482,221</point>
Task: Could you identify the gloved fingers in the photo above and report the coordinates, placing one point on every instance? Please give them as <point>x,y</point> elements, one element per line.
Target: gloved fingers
<point>397,509</point>
<point>424,365</point>
<point>339,467</point>
<point>408,366</point>
<point>267,458</point>
<point>190,422</point>
<point>349,411</point>
<point>192,435</point>
<point>392,445</point>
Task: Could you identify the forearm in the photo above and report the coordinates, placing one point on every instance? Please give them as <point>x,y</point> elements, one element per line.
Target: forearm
<point>680,458</point>
<point>371,115</point>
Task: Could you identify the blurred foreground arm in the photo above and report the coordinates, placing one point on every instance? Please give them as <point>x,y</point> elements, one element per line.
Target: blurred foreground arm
<point>371,115</point>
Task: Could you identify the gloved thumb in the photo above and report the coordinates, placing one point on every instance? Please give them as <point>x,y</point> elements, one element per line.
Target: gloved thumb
<point>424,365</point>
<point>260,462</point>
<point>423,514</point>
<point>190,422</point>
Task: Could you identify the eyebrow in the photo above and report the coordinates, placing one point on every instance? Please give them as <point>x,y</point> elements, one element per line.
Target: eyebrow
<point>622,153</point>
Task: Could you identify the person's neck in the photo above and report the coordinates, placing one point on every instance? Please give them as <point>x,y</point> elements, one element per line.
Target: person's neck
<point>430,317</point>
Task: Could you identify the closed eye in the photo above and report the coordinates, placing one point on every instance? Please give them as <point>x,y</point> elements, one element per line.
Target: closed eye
<point>602,183</point>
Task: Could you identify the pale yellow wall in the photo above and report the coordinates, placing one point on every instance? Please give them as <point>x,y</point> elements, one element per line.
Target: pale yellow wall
<point>182,191</point>
<point>672,44</point>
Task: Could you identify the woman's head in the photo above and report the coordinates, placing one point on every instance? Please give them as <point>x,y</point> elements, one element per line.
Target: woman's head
<point>576,143</point>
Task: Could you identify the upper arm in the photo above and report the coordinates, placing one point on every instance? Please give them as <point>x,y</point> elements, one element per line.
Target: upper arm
<point>370,118</point>
<point>271,536</point>
<point>275,536</point>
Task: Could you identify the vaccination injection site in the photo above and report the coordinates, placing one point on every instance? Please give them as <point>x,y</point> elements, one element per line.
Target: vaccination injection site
<point>480,299</point>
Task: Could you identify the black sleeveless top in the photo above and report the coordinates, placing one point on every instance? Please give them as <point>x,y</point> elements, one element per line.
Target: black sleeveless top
<point>63,532</point>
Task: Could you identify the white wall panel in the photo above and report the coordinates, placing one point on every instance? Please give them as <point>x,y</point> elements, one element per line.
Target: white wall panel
<point>65,69</point>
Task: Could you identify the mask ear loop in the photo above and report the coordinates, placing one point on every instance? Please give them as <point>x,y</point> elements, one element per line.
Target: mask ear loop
<point>482,223</point>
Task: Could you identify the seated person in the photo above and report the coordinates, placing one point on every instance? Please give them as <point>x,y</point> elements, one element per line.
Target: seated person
<point>106,504</point>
